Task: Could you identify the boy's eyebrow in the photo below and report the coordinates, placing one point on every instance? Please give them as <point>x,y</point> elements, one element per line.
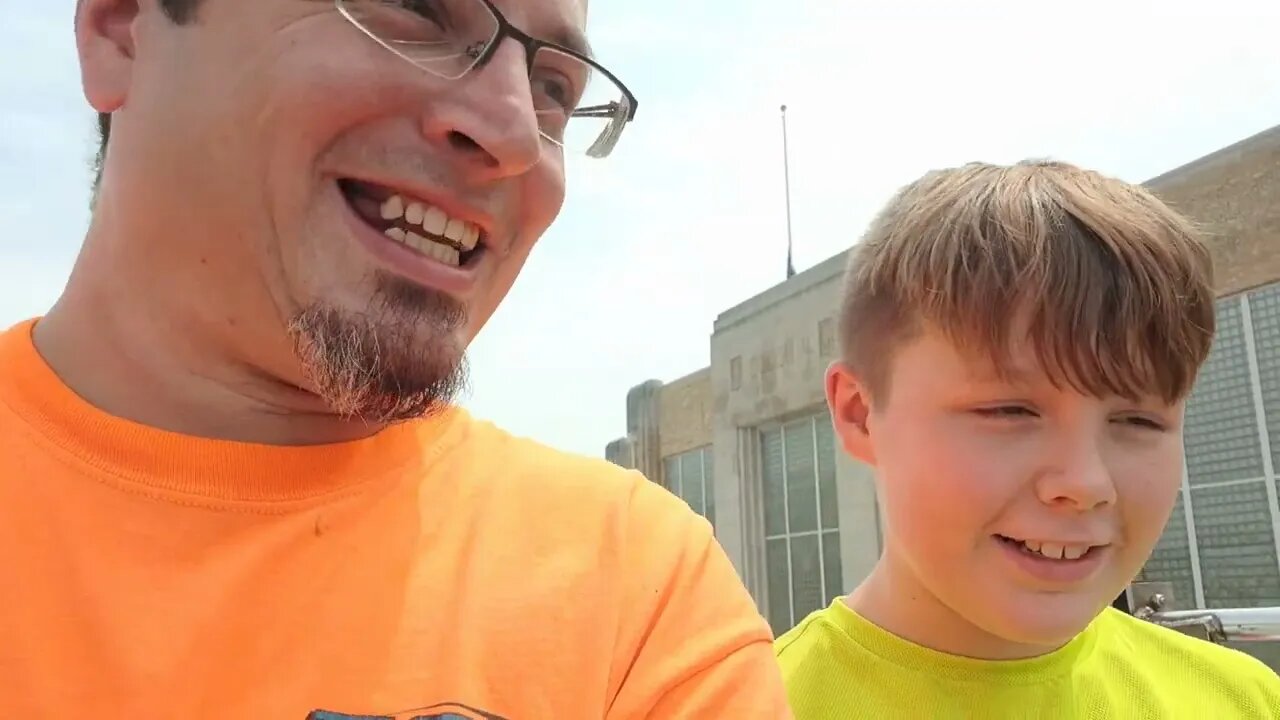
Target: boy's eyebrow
<point>983,365</point>
<point>986,367</point>
<point>990,375</point>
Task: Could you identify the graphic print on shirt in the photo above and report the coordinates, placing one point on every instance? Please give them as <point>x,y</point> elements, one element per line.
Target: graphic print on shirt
<point>446,711</point>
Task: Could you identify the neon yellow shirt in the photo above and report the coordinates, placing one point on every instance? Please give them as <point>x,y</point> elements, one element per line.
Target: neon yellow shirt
<point>837,664</point>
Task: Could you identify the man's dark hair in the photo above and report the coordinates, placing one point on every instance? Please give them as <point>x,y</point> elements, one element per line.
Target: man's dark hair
<point>179,11</point>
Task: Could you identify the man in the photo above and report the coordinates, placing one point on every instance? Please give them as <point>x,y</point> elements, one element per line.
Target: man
<point>233,482</point>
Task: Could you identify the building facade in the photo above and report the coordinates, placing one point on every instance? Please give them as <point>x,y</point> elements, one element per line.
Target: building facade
<point>748,441</point>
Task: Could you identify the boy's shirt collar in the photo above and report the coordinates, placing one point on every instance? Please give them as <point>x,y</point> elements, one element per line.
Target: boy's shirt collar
<point>905,653</point>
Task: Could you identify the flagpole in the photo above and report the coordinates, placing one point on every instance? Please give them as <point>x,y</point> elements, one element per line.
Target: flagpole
<point>786,175</point>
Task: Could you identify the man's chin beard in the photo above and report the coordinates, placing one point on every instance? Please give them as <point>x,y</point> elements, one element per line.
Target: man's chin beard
<point>399,360</point>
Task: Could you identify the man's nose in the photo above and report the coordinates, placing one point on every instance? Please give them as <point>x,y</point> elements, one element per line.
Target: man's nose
<point>488,122</point>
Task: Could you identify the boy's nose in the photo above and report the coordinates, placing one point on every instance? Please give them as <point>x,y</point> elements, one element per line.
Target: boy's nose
<point>1082,481</point>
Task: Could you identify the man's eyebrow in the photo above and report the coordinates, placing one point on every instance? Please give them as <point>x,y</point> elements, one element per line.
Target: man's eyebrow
<point>568,36</point>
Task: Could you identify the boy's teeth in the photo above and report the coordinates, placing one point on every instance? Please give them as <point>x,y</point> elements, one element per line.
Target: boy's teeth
<point>431,219</point>
<point>1056,551</point>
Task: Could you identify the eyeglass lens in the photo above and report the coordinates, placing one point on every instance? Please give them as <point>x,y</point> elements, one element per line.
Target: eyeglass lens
<point>577,106</point>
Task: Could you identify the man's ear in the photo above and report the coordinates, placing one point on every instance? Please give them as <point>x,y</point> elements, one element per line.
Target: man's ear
<point>105,43</point>
<point>850,405</point>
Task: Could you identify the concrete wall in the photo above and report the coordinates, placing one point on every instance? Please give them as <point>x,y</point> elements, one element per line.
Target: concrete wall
<point>642,444</point>
<point>621,452</point>
<point>1235,194</point>
<point>767,365</point>
<point>685,412</point>
<point>664,420</point>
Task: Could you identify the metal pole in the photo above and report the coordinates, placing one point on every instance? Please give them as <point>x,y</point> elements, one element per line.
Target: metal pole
<point>1227,624</point>
<point>786,175</point>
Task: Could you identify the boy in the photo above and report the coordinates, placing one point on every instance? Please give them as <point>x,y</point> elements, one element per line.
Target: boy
<point>1018,345</point>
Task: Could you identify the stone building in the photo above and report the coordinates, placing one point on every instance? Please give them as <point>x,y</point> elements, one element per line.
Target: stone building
<point>748,442</point>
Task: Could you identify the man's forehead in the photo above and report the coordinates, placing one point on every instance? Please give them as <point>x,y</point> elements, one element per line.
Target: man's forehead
<point>562,22</point>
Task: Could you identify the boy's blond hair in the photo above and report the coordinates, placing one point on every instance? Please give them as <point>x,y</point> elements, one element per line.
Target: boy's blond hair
<point>1115,288</point>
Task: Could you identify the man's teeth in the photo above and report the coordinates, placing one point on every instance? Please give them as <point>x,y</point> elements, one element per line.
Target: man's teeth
<point>431,219</point>
<point>435,221</point>
<point>1056,551</point>
<point>393,208</point>
<point>430,248</point>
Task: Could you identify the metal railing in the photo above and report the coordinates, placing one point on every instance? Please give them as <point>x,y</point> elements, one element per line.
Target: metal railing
<point>1219,625</point>
<point>1226,625</point>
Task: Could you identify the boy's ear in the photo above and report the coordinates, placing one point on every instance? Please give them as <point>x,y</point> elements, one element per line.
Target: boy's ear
<point>850,405</point>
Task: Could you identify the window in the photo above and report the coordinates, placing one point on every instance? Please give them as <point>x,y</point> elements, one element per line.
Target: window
<point>1233,518</point>
<point>1221,429</point>
<point>1264,306</point>
<point>735,373</point>
<point>1171,559</point>
<point>1237,551</point>
<point>801,520</point>
<point>1229,559</point>
<point>691,476</point>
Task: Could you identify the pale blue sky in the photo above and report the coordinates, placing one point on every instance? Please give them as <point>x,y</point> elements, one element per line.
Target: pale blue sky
<point>687,218</point>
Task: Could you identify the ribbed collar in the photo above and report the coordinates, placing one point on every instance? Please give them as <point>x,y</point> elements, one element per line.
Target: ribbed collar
<point>933,663</point>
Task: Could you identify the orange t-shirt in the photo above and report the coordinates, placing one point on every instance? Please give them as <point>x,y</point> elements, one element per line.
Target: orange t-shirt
<point>440,569</point>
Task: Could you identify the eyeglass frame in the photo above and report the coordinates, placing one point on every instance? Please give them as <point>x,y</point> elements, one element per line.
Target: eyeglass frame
<point>506,29</point>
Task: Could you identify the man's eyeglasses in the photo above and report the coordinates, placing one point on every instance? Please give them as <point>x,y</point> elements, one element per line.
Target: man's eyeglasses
<point>579,105</point>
